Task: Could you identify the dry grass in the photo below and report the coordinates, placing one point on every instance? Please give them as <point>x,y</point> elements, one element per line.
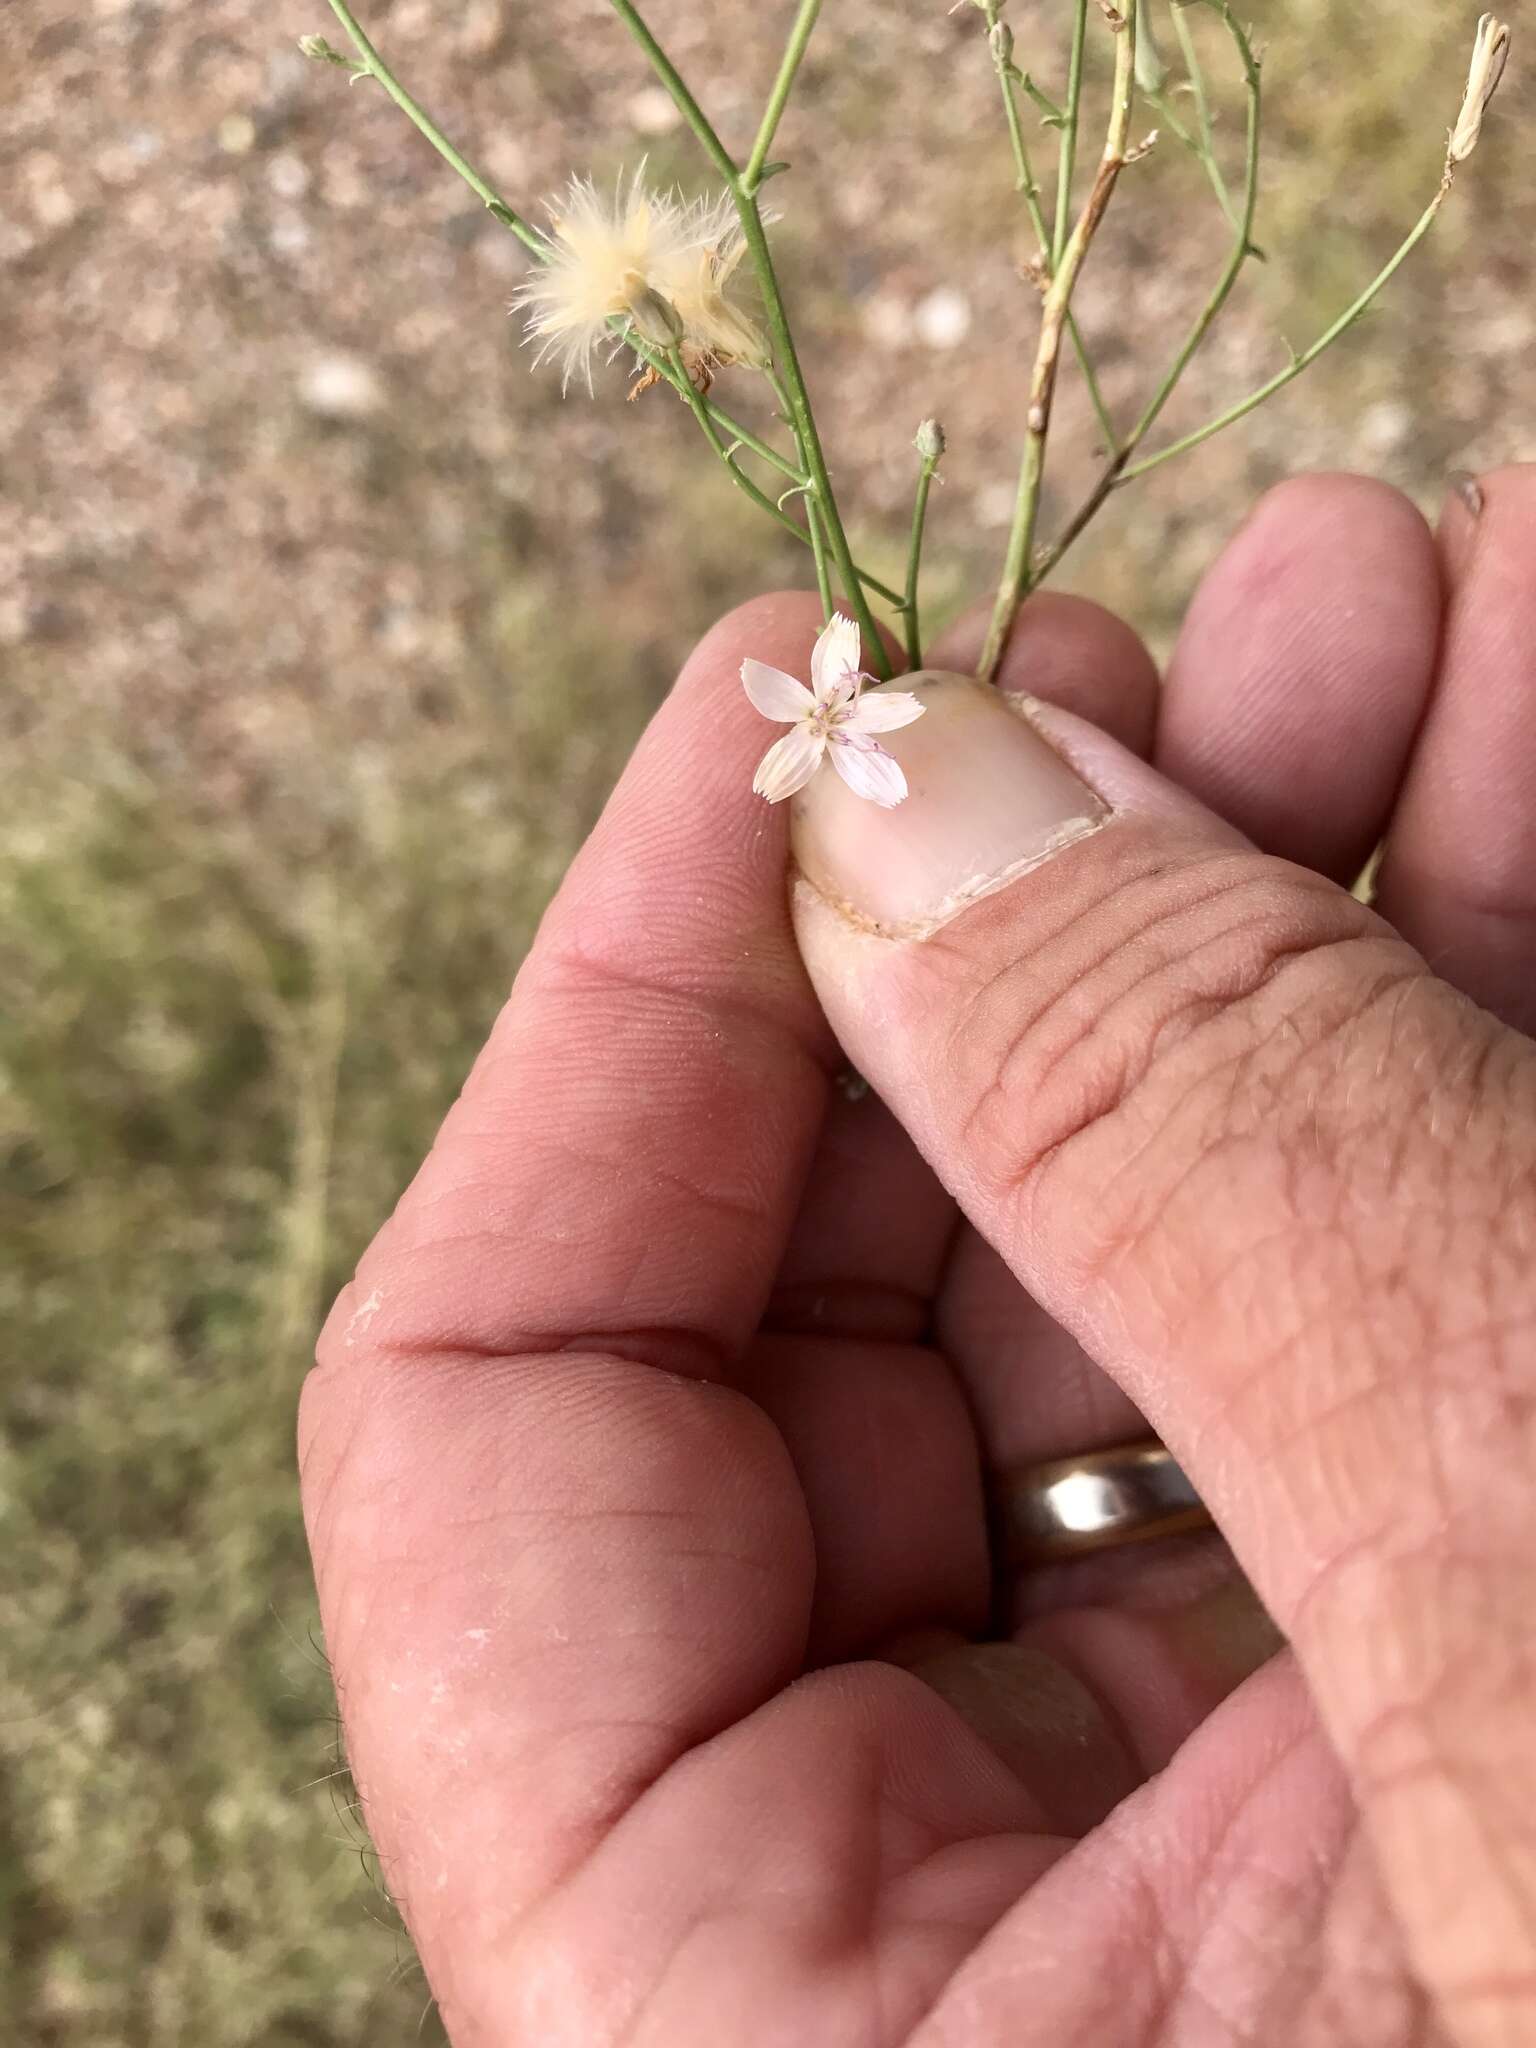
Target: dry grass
<point>306,708</point>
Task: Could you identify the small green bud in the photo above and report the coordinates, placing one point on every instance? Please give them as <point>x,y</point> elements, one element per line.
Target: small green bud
<point>654,318</point>
<point>1000,41</point>
<point>929,441</point>
<point>318,48</point>
<point>1151,71</point>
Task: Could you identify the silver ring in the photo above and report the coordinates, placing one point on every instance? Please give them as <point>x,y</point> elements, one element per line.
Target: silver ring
<point>1070,1507</point>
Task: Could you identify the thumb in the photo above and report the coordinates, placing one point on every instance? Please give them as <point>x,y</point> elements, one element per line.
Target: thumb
<point>1276,1177</point>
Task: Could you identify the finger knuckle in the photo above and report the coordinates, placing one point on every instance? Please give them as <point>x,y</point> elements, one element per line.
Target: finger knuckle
<point>1197,1033</point>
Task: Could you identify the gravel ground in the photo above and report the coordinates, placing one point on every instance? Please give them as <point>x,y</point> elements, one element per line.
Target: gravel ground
<point>268,435</point>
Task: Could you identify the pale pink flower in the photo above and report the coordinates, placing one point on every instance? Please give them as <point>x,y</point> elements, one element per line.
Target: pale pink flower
<point>835,717</point>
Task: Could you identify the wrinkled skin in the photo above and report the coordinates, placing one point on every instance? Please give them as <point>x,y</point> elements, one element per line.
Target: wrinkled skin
<point>643,1464</point>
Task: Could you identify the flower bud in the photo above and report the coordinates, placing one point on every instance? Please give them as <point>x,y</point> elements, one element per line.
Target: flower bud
<point>318,48</point>
<point>1151,71</point>
<point>1490,52</point>
<point>929,441</point>
<point>654,318</point>
<point>1000,42</point>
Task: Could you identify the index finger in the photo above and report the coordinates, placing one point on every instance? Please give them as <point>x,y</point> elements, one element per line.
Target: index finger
<point>551,1554</point>
<point>623,1163</point>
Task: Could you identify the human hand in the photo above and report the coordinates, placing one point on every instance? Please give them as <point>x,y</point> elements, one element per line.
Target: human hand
<point>645,1463</point>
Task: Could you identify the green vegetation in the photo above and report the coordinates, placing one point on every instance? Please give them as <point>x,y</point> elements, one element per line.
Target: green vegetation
<point>225,1044</point>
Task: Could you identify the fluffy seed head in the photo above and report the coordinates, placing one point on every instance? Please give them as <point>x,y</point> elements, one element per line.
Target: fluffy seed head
<point>657,261</point>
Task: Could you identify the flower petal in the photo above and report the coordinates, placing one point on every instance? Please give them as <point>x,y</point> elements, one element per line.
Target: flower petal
<point>835,657</point>
<point>869,771</point>
<point>775,694</point>
<point>789,764</point>
<point>884,711</point>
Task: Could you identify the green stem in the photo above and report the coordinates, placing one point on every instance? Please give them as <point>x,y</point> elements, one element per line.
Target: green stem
<point>1206,149</point>
<point>682,98</point>
<point>1017,565</point>
<point>778,99</point>
<point>915,559</point>
<point>1067,160</point>
<point>686,386</point>
<point>1242,247</point>
<point>1293,369</point>
<point>1028,187</point>
<point>374,64</point>
<point>819,550</point>
<point>672,368</point>
<point>1167,118</point>
<point>1120,474</point>
<point>802,418</point>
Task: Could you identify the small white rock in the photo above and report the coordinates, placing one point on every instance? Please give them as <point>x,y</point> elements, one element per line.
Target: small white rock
<point>288,175</point>
<point>1386,425</point>
<point>341,387</point>
<point>651,111</point>
<point>943,318</point>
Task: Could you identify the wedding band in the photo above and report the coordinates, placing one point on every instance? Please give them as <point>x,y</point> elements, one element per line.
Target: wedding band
<point>1072,1506</point>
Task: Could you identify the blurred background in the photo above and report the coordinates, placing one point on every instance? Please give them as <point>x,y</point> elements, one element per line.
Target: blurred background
<point>324,629</point>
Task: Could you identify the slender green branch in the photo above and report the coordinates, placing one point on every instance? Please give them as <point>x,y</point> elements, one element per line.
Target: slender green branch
<point>1308,356</point>
<point>1067,156</point>
<point>682,98</point>
<point>803,421</point>
<point>1050,113</point>
<point>701,412</point>
<point>1000,40</point>
<point>1205,147</point>
<point>671,367</point>
<point>1124,472</point>
<point>1017,565</point>
<point>1242,248</point>
<point>819,550</point>
<point>778,99</point>
<point>374,64</point>
<point>802,418</point>
<point>930,445</point>
<point>1167,118</point>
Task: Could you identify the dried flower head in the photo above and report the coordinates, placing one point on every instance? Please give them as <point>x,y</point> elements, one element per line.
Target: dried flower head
<point>834,717</point>
<point>658,262</point>
<point>1490,53</point>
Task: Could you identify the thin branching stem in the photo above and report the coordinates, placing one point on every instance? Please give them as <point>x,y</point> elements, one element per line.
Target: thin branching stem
<point>672,366</point>
<point>1123,471</point>
<point>914,635</point>
<point>375,66</point>
<point>778,99</point>
<point>1117,469</point>
<point>1058,299</point>
<point>819,551</point>
<point>738,475</point>
<point>1028,187</point>
<point>802,418</point>
<point>1071,113</point>
<point>1205,146</point>
<point>1309,355</point>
